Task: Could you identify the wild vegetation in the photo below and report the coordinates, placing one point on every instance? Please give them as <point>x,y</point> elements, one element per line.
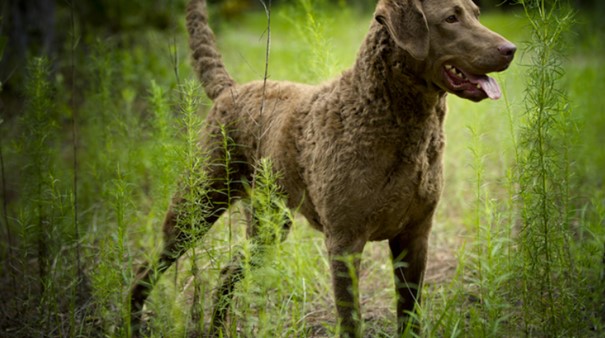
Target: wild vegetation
<point>108,132</point>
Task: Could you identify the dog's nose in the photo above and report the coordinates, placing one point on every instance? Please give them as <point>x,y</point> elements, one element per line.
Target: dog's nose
<point>507,49</point>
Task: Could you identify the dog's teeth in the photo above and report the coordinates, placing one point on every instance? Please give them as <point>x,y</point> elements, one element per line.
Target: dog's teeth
<point>478,86</point>
<point>455,71</point>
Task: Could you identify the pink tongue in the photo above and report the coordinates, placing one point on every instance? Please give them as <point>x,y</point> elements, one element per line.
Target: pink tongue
<point>488,84</point>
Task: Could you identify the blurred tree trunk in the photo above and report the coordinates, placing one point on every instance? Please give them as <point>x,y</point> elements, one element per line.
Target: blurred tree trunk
<point>28,28</point>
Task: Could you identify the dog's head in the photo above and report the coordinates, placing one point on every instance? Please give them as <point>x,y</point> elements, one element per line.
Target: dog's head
<point>456,51</point>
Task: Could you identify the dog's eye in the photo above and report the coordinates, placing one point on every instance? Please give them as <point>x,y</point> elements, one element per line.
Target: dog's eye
<point>451,19</point>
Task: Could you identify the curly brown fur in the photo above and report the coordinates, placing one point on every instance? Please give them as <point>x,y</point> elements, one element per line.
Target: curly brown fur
<point>359,156</point>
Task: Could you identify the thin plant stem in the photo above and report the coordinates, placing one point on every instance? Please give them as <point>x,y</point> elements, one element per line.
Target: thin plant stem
<point>267,6</point>
<point>261,132</point>
<point>74,134</point>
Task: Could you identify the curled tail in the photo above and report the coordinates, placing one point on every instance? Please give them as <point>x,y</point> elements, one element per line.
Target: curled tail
<point>207,60</point>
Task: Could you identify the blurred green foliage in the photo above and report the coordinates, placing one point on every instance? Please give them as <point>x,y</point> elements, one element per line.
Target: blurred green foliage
<point>120,15</point>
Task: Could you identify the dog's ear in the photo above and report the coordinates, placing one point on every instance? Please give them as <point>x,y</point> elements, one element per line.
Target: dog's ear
<point>407,25</point>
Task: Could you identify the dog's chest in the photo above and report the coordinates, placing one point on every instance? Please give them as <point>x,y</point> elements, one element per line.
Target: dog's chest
<point>380,181</point>
<point>411,188</point>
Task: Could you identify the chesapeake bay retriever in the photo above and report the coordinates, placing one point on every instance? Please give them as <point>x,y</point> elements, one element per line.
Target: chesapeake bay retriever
<point>359,156</point>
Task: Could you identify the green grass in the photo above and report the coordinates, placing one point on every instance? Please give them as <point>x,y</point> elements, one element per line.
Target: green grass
<point>137,127</point>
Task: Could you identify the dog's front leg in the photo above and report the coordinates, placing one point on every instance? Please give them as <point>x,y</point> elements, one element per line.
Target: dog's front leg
<point>409,253</point>
<point>345,256</point>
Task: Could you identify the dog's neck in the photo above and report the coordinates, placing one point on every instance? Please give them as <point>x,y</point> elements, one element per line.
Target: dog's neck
<point>382,69</point>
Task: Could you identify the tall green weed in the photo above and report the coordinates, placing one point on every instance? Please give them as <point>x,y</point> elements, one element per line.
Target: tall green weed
<point>546,139</point>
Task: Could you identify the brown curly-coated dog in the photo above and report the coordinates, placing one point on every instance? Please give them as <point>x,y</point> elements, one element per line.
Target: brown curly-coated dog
<point>359,156</point>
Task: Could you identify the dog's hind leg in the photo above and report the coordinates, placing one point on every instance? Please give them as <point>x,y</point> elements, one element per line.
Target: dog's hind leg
<point>185,222</point>
<point>263,233</point>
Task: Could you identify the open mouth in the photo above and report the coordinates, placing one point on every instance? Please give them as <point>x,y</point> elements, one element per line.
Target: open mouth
<point>471,86</point>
